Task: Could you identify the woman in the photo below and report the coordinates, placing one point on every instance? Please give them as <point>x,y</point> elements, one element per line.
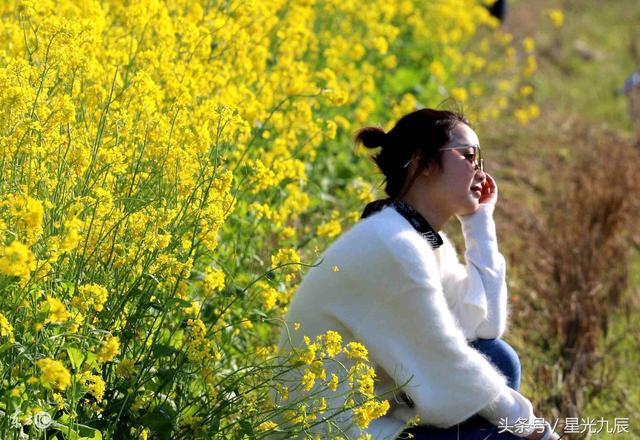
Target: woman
<point>400,290</point>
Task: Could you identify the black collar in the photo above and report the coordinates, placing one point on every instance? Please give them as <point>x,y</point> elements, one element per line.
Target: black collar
<point>416,220</point>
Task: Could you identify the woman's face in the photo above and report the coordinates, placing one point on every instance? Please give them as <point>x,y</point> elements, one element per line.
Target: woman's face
<point>457,185</point>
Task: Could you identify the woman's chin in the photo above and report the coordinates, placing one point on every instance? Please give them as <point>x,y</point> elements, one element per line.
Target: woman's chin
<point>468,204</point>
<point>470,208</point>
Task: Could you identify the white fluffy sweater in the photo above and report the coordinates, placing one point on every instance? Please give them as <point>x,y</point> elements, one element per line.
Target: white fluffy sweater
<point>414,308</point>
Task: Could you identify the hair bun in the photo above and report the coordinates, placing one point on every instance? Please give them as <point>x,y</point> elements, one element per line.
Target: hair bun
<point>371,137</point>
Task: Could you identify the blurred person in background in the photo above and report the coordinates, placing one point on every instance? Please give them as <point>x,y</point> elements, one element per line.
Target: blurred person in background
<point>499,9</point>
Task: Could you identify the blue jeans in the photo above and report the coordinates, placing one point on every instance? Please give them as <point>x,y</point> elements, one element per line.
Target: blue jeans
<point>505,358</point>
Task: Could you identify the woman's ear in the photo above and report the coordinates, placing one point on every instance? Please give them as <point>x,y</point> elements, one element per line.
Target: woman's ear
<point>428,170</point>
<point>417,158</point>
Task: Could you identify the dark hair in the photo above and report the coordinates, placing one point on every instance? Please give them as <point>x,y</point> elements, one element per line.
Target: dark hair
<point>424,131</point>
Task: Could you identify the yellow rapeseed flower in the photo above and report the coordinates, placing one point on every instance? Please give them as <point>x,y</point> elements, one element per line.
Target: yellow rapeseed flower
<point>526,90</point>
<point>332,343</point>
<point>269,297</point>
<point>331,129</point>
<point>531,67</point>
<point>380,44</point>
<point>308,353</point>
<point>266,426</point>
<point>125,368</point>
<point>329,229</point>
<point>336,97</point>
<point>437,70</point>
<point>17,260</point>
<point>528,44</point>
<point>54,374</point>
<point>371,410</point>
<point>6,329</point>
<point>109,349</point>
<point>476,90</point>
<point>333,383</point>
<point>308,380</point>
<point>71,237</point>
<point>29,212</point>
<point>459,94</point>
<point>213,281</point>
<point>390,61</point>
<point>90,296</point>
<point>285,256</point>
<point>93,384</point>
<point>556,16</point>
<point>521,115</point>
<point>355,350</point>
<point>363,376</point>
<point>56,310</point>
<point>201,349</point>
<point>59,400</point>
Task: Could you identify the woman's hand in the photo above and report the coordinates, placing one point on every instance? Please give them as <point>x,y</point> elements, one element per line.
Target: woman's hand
<point>489,194</point>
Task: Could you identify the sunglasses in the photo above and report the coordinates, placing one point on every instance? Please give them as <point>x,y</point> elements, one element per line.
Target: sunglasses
<point>476,158</point>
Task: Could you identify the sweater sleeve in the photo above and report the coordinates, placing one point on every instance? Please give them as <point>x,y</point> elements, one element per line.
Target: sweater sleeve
<point>411,334</point>
<point>512,411</point>
<point>480,285</point>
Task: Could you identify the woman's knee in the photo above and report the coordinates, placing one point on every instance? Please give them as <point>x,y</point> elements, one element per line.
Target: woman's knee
<point>503,356</point>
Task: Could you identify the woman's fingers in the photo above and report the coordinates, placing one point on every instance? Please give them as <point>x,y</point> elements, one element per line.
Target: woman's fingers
<point>491,183</point>
<point>489,190</point>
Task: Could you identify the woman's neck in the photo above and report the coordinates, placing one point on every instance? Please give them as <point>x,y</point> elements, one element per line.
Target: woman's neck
<point>432,212</point>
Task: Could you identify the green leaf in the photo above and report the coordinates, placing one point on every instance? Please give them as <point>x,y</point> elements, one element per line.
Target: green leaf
<point>214,425</point>
<point>81,432</point>
<point>161,350</point>
<point>4,347</point>
<point>88,433</point>
<point>179,302</point>
<point>160,420</point>
<point>259,313</point>
<point>246,428</point>
<point>91,358</point>
<point>76,357</point>
<point>167,374</point>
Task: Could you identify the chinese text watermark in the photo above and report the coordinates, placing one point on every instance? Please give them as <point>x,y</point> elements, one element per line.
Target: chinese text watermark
<point>571,425</point>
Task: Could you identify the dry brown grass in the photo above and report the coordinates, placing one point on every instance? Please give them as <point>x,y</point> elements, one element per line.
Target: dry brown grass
<point>634,111</point>
<point>570,253</point>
